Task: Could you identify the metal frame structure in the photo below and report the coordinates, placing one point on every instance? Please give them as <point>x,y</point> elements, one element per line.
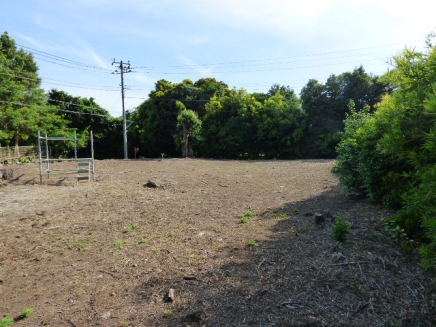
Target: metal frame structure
<point>83,162</point>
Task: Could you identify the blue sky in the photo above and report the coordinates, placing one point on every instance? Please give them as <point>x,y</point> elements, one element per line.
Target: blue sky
<point>244,43</point>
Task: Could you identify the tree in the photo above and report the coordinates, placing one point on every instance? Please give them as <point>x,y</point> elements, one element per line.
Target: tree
<point>158,115</point>
<point>281,124</point>
<point>188,126</point>
<point>85,115</point>
<point>389,155</point>
<point>285,91</point>
<point>23,110</point>
<point>230,126</point>
<point>326,106</point>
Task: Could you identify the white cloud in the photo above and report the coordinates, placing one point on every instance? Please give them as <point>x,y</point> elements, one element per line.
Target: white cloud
<point>31,40</point>
<point>199,69</point>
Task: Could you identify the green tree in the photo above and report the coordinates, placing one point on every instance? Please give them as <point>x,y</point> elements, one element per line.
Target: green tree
<point>158,115</point>
<point>23,109</point>
<point>85,115</point>
<point>230,126</point>
<point>389,156</point>
<point>188,126</point>
<point>281,124</point>
<point>326,106</point>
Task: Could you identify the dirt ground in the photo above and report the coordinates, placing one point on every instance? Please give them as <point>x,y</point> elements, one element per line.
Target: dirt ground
<point>106,253</point>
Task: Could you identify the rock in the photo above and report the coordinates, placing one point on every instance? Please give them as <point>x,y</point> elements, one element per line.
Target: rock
<point>189,277</point>
<point>194,317</point>
<point>151,184</point>
<point>106,315</point>
<point>171,295</point>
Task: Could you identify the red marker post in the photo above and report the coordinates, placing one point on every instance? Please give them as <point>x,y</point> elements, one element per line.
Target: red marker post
<point>135,150</point>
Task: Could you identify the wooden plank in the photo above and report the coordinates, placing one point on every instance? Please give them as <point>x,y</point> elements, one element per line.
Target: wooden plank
<point>83,170</point>
<point>82,178</point>
<point>81,164</point>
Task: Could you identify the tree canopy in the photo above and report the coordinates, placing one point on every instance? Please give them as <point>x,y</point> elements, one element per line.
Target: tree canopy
<point>23,110</point>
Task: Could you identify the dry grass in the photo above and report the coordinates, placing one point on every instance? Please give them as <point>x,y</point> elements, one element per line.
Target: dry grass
<point>106,254</point>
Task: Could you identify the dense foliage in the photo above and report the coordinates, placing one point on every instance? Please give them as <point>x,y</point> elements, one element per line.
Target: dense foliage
<point>326,106</point>
<point>23,110</point>
<point>85,115</point>
<point>235,123</point>
<point>389,156</point>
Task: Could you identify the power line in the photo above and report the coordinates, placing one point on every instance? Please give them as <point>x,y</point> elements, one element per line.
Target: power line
<point>54,57</point>
<point>281,58</point>
<point>270,63</point>
<point>264,70</point>
<point>53,108</point>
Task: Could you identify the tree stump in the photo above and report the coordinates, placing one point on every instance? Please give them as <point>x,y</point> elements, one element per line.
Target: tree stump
<point>170,295</point>
<point>11,173</point>
<point>319,218</point>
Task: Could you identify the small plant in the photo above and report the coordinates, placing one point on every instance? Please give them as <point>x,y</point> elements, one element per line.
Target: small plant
<point>128,229</point>
<point>341,229</point>
<point>118,244</point>
<point>10,321</point>
<point>244,219</point>
<point>135,226</point>
<point>26,313</point>
<point>252,243</point>
<point>398,233</point>
<point>296,210</point>
<point>168,313</point>
<point>283,215</point>
<point>142,241</point>
<point>6,322</point>
<point>24,160</point>
<point>249,214</point>
<point>171,234</point>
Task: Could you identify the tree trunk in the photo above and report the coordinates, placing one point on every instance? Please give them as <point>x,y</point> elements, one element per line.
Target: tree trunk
<point>17,147</point>
<point>185,143</point>
<point>190,151</point>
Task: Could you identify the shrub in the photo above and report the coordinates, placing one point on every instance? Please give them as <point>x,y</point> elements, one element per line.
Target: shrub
<point>341,229</point>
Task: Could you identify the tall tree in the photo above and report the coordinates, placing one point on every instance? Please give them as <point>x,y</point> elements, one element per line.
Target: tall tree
<point>327,104</point>
<point>85,115</point>
<point>23,110</point>
<point>188,126</point>
<point>159,113</point>
<point>281,124</point>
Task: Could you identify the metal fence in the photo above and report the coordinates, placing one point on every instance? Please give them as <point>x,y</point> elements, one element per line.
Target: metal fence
<point>15,153</point>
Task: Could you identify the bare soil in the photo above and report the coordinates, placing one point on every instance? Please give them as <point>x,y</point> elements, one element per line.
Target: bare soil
<point>106,253</point>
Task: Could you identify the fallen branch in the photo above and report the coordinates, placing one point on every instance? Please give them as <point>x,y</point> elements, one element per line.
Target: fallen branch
<point>348,263</point>
<point>107,272</point>
<point>291,305</point>
<point>261,263</point>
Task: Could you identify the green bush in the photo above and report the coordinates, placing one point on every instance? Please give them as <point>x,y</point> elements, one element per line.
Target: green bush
<point>389,156</point>
<point>341,229</point>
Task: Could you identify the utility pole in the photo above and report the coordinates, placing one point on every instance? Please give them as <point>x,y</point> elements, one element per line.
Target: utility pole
<point>123,68</point>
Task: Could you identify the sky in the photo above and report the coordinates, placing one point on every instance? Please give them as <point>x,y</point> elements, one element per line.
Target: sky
<point>250,44</point>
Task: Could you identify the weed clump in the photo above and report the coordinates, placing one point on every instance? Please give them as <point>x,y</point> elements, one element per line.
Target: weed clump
<point>341,229</point>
